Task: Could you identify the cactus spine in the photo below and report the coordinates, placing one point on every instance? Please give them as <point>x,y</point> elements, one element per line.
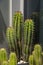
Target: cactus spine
<point>17,25</point>
<point>28,35</point>
<point>12,59</point>
<point>31,60</point>
<point>3,55</point>
<point>10,37</point>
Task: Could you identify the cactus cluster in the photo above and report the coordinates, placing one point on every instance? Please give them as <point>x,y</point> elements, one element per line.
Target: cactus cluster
<point>14,33</point>
<point>28,36</point>
<point>4,58</point>
<point>21,35</point>
<point>36,55</point>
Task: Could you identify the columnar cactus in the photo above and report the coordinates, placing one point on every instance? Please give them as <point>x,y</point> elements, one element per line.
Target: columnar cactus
<point>12,59</point>
<point>3,55</point>
<point>28,35</point>
<point>42,57</point>
<point>5,63</point>
<point>17,24</point>
<point>31,60</point>
<point>37,54</point>
<point>18,30</point>
<point>10,37</point>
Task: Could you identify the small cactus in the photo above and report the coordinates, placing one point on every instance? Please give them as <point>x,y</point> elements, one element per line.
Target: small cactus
<point>37,54</point>
<point>10,37</point>
<point>31,60</point>
<point>38,50</point>
<point>3,55</point>
<point>12,59</point>
<point>5,63</point>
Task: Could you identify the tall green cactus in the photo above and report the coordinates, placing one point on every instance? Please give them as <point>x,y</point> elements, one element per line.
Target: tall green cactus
<point>37,54</point>
<point>12,59</point>
<point>3,55</point>
<point>28,35</point>
<point>18,29</point>
<point>17,22</point>
<point>42,57</point>
<point>10,37</point>
<point>31,60</point>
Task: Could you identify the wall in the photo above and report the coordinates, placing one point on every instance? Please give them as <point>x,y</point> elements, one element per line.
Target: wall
<point>4,7</point>
<point>41,22</point>
<point>15,6</point>
<point>30,6</point>
<point>4,22</point>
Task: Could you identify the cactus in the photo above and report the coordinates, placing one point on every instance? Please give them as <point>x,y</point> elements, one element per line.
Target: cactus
<point>28,35</point>
<point>18,27</point>
<point>3,55</point>
<point>12,59</point>
<point>42,57</point>
<point>10,37</point>
<point>17,23</point>
<point>5,63</point>
<point>31,60</point>
<point>37,54</point>
<point>36,58</point>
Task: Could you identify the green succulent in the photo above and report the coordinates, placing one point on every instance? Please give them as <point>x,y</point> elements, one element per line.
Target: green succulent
<point>28,35</point>
<point>31,60</point>
<point>18,31</point>
<point>5,63</point>
<point>10,37</point>
<point>12,59</point>
<point>3,55</point>
<point>38,50</point>
<point>37,54</point>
